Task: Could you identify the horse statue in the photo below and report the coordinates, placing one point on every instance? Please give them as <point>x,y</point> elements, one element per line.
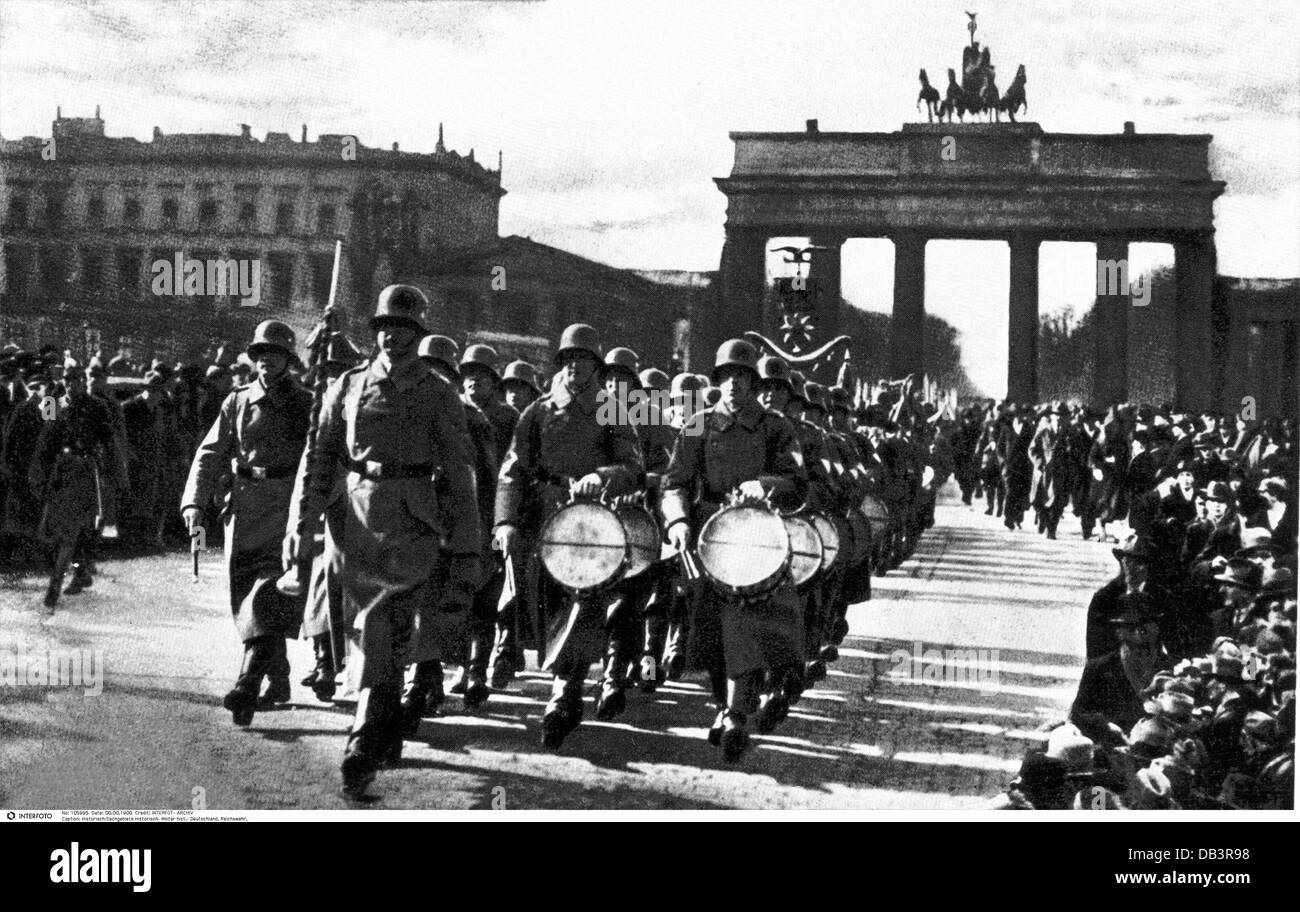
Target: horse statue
<point>1015,97</point>
<point>930,95</point>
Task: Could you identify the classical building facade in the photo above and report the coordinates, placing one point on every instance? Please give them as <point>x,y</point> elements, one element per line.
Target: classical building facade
<point>85,216</point>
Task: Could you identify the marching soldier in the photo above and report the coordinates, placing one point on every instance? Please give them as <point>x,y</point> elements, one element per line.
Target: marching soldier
<point>323,618</point>
<point>66,467</point>
<point>254,446</point>
<point>744,447</point>
<point>411,525</point>
<point>519,385</point>
<point>468,638</point>
<point>646,597</point>
<point>561,450</point>
<point>482,386</point>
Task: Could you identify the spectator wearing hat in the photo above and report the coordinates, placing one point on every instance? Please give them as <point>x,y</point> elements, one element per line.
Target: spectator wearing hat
<point>153,437</point>
<point>1264,777</point>
<point>1135,557</point>
<point>1238,583</point>
<point>1051,489</point>
<point>1112,685</point>
<point>1216,536</point>
<point>1278,514</point>
<point>1107,464</point>
<point>1017,469</point>
<point>22,430</point>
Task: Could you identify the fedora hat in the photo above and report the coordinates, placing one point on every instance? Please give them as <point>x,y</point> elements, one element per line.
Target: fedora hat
<point>1135,609</point>
<point>1240,572</point>
<point>1135,548</point>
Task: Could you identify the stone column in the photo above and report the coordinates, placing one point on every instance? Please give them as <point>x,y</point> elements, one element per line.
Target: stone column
<point>907,327</point>
<point>1022,325</point>
<point>825,268</point>
<point>1194,267</point>
<point>742,278</point>
<point>1110,324</point>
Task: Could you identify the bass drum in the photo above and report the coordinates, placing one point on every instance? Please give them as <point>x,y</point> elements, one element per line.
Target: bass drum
<point>584,546</point>
<point>744,549</point>
<point>805,548</point>
<point>645,543</point>
<point>830,539</point>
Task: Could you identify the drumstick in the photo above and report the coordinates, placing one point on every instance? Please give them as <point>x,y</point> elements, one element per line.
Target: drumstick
<point>691,571</point>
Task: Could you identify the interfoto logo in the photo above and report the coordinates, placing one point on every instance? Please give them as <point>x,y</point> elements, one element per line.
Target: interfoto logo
<point>82,668</point>
<point>78,865</point>
<point>189,277</point>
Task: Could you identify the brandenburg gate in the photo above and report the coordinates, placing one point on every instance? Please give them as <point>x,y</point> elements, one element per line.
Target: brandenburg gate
<point>978,181</point>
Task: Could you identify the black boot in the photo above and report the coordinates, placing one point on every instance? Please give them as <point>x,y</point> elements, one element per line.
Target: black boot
<point>370,745</point>
<point>277,688</point>
<point>322,675</point>
<point>241,701</point>
<point>422,698</point>
<point>735,738</point>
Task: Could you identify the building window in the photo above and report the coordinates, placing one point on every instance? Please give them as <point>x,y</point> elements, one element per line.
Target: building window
<point>54,207</point>
<point>132,209</point>
<point>325,219</point>
<point>18,211</point>
<point>95,210</point>
<point>284,218</point>
<point>322,270</point>
<point>248,215</point>
<point>92,271</point>
<point>18,268</point>
<point>128,272</point>
<point>171,211</point>
<point>207,212</point>
<point>281,279</point>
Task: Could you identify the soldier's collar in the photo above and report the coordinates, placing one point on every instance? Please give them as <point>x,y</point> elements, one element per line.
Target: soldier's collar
<point>257,390</point>
<point>749,416</point>
<point>404,375</point>
<point>586,403</point>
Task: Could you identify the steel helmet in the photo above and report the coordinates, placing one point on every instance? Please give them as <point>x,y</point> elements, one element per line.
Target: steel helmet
<point>655,379</point>
<point>443,350</point>
<point>521,372</point>
<point>269,334</point>
<point>480,357</point>
<point>402,305</point>
<point>624,361</point>
<point>685,384</point>
<point>579,337</point>
<point>735,353</point>
<point>774,369</point>
<point>816,396</point>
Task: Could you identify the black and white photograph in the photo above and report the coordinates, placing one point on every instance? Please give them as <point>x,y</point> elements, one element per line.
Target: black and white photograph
<point>678,407</point>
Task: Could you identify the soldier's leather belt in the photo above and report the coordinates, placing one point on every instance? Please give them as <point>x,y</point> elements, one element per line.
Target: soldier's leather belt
<point>387,470</point>
<point>262,473</point>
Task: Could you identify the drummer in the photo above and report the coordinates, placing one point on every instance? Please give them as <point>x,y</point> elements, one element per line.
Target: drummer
<point>561,449</point>
<point>742,446</point>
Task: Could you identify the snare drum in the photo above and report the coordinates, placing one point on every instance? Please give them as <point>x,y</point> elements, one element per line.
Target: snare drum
<point>584,546</point>
<point>830,539</point>
<point>744,549</point>
<point>805,548</point>
<point>643,538</point>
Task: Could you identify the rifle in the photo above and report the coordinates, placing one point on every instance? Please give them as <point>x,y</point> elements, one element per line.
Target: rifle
<point>297,578</point>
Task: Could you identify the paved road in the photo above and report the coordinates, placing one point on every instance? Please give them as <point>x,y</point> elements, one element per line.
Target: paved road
<point>902,722</point>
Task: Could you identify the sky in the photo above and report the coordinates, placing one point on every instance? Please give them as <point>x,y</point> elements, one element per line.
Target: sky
<point>613,116</point>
